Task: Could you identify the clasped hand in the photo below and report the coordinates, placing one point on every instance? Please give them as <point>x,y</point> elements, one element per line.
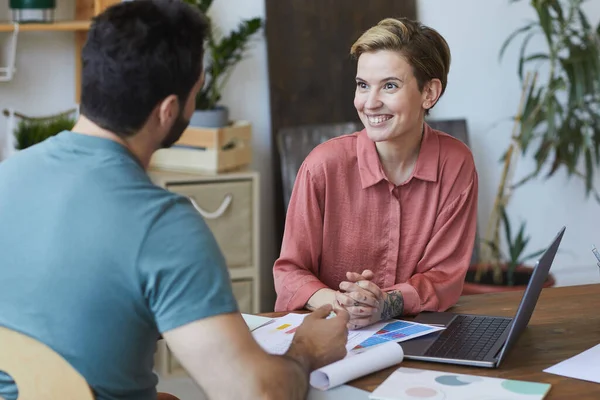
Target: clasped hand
<point>361,298</point>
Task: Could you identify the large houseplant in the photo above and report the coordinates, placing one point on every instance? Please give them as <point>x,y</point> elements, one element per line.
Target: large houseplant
<point>558,115</point>
<point>222,54</point>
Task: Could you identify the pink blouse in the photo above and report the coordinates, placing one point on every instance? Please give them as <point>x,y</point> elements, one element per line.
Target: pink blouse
<point>344,215</point>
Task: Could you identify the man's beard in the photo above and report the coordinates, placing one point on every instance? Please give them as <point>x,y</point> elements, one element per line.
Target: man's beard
<point>179,126</point>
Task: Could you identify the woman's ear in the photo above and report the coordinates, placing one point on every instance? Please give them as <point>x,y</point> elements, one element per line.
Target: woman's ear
<point>431,93</point>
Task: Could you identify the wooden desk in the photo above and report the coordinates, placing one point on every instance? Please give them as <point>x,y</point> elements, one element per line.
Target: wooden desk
<point>566,322</point>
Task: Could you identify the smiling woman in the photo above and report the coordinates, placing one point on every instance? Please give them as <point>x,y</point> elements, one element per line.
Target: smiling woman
<point>382,222</point>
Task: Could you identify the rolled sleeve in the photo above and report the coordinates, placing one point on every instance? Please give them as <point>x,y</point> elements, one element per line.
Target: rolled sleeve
<point>295,271</point>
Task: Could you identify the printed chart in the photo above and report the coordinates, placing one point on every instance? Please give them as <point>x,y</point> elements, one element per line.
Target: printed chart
<point>397,331</point>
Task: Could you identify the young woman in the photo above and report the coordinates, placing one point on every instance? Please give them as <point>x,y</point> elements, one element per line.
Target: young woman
<point>382,222</point>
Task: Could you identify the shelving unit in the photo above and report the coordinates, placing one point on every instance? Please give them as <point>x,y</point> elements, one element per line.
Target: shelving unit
<point>57,26</point>
<point>85,10</point>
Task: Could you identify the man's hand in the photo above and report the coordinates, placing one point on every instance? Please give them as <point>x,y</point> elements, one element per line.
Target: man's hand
<point>319,341</point>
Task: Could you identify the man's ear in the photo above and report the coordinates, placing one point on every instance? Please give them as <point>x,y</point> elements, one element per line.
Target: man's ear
<point>431,93</point>
<point>168,110</point>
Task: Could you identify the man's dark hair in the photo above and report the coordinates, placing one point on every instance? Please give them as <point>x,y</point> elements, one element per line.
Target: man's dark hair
<point>138,53</point>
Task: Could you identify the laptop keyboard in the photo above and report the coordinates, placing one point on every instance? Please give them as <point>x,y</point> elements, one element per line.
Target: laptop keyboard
<point>469,337</point>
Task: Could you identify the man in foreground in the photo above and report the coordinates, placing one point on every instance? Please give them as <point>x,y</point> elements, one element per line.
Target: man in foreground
<point>97,262</point>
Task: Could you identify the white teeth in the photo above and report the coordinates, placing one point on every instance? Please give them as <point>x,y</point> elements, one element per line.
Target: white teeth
<point>378,119</point>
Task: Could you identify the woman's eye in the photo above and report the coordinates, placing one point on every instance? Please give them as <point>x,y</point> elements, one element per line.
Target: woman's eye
<point>361,85</point>
<point>390,85</point>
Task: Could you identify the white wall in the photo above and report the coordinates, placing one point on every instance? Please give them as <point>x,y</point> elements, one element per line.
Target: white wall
<point>480,89</point>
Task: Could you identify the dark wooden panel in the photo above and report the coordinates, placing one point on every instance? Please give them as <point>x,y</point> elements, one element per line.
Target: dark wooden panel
<point>310,71</point>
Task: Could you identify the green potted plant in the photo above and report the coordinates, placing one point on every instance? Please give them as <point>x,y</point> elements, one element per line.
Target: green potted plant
<point>510,267</point>
<point>32,10</point>
<point>222,54</point>
<point>32,130</point>
<point>557,119</point>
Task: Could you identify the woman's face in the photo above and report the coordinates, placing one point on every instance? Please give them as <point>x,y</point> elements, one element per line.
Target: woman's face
<point>387,96</point>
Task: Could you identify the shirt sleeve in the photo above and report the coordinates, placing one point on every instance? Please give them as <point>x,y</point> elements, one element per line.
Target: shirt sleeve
<point>183,273</point>
<point>440,274</point>
<point>296,268</point>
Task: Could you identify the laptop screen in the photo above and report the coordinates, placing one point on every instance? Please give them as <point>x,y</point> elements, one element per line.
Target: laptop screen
<point>532,293</point>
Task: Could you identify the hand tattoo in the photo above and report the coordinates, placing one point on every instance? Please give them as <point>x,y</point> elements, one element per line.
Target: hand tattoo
<point>393,306</point>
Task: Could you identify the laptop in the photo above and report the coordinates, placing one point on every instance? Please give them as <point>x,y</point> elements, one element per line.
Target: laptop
<point>480,340</point>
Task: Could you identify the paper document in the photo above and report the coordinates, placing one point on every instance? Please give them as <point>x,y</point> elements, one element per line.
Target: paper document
<point>584,366</point>
<point>349,368</point>
<point>255,321</point>
<point>344,392</point>
<point>396,331</point>
<point>276,337</point>
<point>369,349</point>
<point>413,383</point>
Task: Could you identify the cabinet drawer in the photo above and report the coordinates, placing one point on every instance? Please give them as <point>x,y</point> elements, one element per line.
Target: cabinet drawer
<point>227,209</point>
<point>242,290</point>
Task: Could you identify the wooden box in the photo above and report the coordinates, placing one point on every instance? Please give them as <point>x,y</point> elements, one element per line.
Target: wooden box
<point>208,149</point>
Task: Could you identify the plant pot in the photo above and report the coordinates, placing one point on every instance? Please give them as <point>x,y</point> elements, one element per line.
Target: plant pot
<point>486,285</point>
<point>215,118</point>
<point>32,10</point>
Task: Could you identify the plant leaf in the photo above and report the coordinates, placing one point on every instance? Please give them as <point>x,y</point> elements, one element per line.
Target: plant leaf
<point>555,5</point>
<point>589,171</point>
<point>506,223</point>
<point>545,20</point>
<point>531,256</point>
<point>583,19</point>
<point>522,53</point>
<point>514,35</point>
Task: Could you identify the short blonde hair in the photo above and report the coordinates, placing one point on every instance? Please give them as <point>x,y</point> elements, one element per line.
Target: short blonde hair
<point>422,47</point>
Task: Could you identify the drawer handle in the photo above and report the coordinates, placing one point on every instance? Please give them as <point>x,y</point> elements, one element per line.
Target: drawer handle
<point>218,212</point>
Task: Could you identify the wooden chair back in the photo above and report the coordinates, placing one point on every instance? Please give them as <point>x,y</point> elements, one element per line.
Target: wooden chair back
<point>38,371</point>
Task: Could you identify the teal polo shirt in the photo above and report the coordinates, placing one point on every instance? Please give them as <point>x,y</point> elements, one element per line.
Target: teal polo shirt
<point>96,261</point>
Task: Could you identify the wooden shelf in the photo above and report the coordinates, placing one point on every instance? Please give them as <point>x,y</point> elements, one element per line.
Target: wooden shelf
<point>69,26</point>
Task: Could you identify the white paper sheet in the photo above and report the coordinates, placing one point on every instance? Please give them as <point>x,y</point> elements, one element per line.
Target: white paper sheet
<point>356,366</point>
<point>584,366</point>
<point>343,392</point>
<point>276,338</point>
<point>255,321</point>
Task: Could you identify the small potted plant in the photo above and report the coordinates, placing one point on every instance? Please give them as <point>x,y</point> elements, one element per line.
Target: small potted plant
<point>33,130</point>
<point>32,10</point>
<point>508,271</point>
<point>222,54</point>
